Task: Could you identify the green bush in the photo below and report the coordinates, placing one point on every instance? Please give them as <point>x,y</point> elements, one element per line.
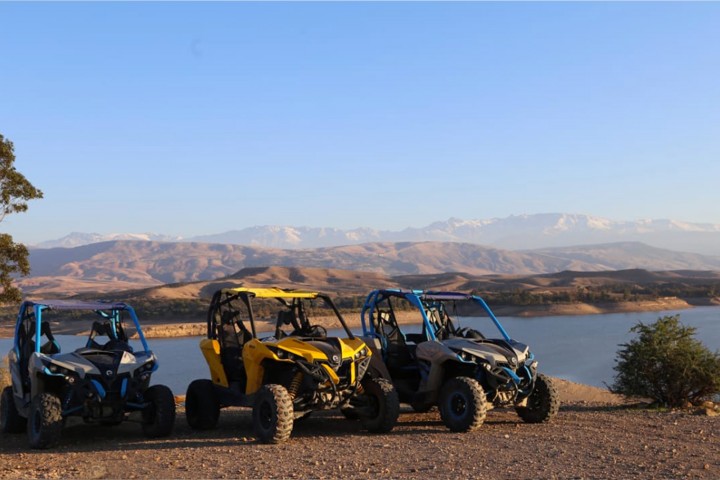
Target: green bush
<point>667,364</point>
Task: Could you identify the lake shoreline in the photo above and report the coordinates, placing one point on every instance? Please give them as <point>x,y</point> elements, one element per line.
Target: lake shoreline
<point>169,328</point>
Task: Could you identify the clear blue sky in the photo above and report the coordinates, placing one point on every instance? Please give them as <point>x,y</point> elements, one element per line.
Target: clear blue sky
<point>194,118</point>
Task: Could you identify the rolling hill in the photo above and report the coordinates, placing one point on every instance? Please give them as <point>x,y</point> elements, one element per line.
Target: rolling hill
<point>121,265</point>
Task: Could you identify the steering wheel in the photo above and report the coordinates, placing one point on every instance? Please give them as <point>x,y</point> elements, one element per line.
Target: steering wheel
<point>467,332</point>
<point>118,345</point>
<point>317,331</point>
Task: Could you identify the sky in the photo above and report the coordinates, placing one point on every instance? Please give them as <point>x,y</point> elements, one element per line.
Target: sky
<point>198,118</point>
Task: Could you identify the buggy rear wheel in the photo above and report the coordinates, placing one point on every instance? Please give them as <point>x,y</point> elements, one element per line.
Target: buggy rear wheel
<point>542,404</point>
<point>462,404</point>
<point>158,418</point>
<point>45,422</point>
<point>273,414</point>
<point>10,419</point>
<point>202,407</point>
<point>385,405</point>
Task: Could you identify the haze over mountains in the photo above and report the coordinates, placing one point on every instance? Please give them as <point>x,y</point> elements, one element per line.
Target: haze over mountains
<point>520,232</point>
<point>136,264</point>
<point>519,245</point>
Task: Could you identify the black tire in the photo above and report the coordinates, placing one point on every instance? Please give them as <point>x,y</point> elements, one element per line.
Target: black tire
<point>272,414</point>
<point>202,407</point>
<point>10,419</point>
<point>542,404</point>
<point>45,421</point>
<point>158,418</point>
<point>349,413</point>
<point>462,404</point>
<point>386,405</point>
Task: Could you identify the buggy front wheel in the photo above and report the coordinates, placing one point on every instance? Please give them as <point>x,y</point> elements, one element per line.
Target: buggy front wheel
<point>158,418</point>
<point>273,414</point>
<point>542,404</point>
<point>462,404</point>
<point>45,421</point>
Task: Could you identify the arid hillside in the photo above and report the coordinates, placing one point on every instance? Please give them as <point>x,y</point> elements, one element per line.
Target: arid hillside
<point>121,265</point>
<point>353,283</point>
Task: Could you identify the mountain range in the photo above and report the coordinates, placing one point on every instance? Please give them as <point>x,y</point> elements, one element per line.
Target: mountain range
<point>517,232</point>
<point>132,264</point>
<point>358,283</point>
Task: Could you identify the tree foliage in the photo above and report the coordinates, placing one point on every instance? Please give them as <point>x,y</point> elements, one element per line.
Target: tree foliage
<point>667,364</point>
<point>15,192</point>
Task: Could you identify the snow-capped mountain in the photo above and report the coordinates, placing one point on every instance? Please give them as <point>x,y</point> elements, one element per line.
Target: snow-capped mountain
<point>517,232</point>
<point>293,237</point>
<point>77,239</point>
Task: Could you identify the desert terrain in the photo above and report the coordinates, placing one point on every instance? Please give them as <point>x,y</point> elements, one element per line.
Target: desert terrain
<point>596,435</point>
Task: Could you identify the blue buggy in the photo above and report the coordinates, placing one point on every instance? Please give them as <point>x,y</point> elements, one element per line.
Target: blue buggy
<point>102,382</point>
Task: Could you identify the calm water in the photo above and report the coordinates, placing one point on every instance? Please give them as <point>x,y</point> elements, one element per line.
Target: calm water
<point>578,348</point>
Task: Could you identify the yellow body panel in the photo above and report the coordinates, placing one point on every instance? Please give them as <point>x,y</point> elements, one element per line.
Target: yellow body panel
<point>211,351</point>
<point>256,351</point>
<point>275,292</point>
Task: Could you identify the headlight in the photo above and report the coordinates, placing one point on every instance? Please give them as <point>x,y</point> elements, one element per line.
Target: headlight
<point>146,369</point>
<point>55,370</point>
<point>285,355</point>
<point>465,356</point>
<point>361,354</point>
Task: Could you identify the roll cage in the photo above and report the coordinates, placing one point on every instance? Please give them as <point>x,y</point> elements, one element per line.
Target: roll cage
<point>232,312</point>
<point>33,333</point>
<point>437,308</point>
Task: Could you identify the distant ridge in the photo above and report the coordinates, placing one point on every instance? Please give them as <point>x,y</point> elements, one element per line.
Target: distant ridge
<point>346,282</point>
<point>516,232</point>
<point>138,264</point>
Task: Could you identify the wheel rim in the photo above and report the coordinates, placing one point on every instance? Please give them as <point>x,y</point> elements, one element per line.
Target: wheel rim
<point>458,405</point>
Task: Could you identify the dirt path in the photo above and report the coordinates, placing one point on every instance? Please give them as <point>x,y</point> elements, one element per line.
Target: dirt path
<point>586,440</point>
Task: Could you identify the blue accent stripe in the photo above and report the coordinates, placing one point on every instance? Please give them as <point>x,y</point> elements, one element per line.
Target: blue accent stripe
<point>123,388</point>
<point>99,388</point>
<point>47,371</point>
<point>65,413</point>
<point>515,378</point>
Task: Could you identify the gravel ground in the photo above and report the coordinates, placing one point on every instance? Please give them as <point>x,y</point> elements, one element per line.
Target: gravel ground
<point>586,440</point>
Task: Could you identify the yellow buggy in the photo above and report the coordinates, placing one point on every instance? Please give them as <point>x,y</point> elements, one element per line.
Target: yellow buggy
<point>290,371</point>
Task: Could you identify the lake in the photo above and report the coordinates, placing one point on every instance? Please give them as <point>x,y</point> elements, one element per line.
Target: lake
<point>577,348</point>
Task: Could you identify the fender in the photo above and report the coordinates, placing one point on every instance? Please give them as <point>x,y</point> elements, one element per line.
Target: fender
<point>436,354</point>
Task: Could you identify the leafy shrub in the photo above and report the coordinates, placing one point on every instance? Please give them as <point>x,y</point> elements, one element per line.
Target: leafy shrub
<point>667,364</point>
